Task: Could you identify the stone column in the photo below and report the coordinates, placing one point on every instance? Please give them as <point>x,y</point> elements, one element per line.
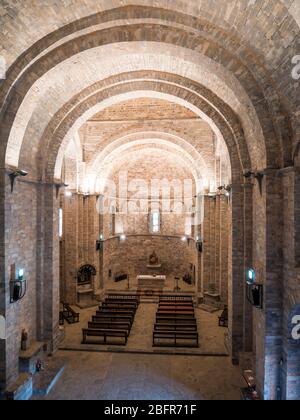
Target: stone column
<point>236,273</point>
<point>3,281</point>
<point>248,247</point>
<point>217,241</point>
<point>224,248</point>
<point>212,244</point>
<point>71,223</point>
<point>269,320</point>
<point>48,277</point>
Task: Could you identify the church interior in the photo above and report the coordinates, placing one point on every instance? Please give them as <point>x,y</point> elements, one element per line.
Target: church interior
<point>150,200</point>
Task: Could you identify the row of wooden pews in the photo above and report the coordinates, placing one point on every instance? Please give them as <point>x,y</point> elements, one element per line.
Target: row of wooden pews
<point>113,321</point>
<point>176,324</point>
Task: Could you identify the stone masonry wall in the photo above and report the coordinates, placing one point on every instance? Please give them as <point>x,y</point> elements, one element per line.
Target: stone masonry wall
<point>132,256</point>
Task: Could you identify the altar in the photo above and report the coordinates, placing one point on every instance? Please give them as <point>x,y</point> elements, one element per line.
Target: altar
<point>151,282</point>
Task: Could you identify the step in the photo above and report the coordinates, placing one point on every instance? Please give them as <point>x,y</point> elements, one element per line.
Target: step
<point>208,308</point>
<point>45,380</point>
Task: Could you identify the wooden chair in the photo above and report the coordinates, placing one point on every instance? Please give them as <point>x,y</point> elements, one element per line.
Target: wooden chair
<point>69,314</point>
<point>223,319</point>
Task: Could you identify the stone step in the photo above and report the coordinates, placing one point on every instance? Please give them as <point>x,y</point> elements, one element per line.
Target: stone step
<point>208,308</point>
<point>45,380</point>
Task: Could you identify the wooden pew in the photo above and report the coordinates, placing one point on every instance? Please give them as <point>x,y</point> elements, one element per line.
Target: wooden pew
<point>176,309</point>
<point>176,313</point>
<point>133,298</point>
<point>112,318</point>
<point>105,335</point>
<point>170,303</point>
<point>99,325</point>
<point>175,339</point>
<point>69,314</point>
<point>111,305</point>
<point>117,311</point>
<point>161,319</point>
<point>175,327</point>
<point>177,298</point>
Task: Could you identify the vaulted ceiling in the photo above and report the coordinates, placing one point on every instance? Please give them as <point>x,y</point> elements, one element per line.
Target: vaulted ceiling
<point>228,63</point>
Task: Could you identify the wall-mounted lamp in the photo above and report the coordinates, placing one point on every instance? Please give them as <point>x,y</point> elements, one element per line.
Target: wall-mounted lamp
<point>122,238</point>
<point>254,290</point>
<point>99,243</point>
<point>18,287</point>
<point>184,238</point>
<point>226,189</point>
<point>59,186</point>
<point>15,174</point>
<point>259,176</point>
<point>68,194</point>
<point>199,244</point>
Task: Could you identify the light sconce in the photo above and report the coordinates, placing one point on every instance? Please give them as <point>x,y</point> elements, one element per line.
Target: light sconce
<point>122,238</point>
<point>254,290</point>
<point>18,287</point>
<point>59,186</point>
<point>226,189</point>
<point>15,174</point>
<point>99,243</point>
<point>259,176</point>
<point>184,239</point>
<point>199,244</point>
<point>68,194</point>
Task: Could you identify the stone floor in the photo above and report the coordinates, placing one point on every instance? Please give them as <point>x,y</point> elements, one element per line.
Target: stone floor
<point>211,336</point>
<point>113,376</point>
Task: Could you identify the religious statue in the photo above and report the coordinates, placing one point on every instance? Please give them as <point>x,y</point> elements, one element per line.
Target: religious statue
<point>24,341</point>
<point>153,260</point>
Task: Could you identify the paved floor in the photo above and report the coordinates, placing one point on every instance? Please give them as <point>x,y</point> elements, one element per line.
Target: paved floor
<point>211,336</point>
<point>143,376</point>
<point>107,376</point>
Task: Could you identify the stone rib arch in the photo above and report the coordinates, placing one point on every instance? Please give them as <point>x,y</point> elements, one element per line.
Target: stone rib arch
<point>68,120</point>
<point>151,34</point>
<point>256,148</point>
<point>220,124</point>
<point>120,160</point>
<point>139,135</point>
<point>122,153</point>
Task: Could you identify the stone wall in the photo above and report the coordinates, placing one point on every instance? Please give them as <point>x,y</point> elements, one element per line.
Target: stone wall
<point>132,256</point>
<point>31,239</point>
<point>290,369</point>
<point>21,250</point>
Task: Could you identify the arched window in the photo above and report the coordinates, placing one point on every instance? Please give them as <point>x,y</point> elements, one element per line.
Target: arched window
<point>155,221</point>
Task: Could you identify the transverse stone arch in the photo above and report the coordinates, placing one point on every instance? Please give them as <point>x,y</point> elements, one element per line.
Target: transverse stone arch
<point>187,68</point>
<point>194,101</point>
<point>162,37</point>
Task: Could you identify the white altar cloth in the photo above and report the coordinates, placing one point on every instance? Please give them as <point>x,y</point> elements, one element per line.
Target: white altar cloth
<point>151,281</point>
